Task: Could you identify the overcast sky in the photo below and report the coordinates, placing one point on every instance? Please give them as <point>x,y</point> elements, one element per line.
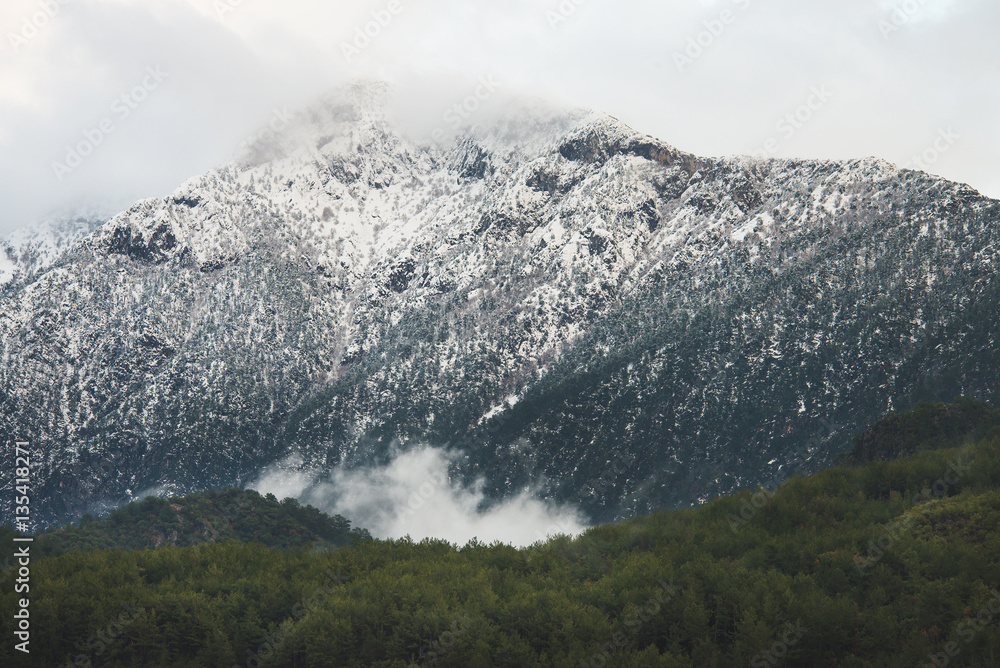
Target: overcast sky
<point>162,90</point>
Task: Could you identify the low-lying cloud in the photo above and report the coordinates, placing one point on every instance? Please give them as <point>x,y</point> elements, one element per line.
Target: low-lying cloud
<point>413,495</point>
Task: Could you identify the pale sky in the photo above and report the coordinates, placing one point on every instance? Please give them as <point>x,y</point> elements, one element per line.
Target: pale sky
<point>158,91</point>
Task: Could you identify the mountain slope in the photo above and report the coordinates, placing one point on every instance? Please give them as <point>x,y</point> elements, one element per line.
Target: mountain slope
<point>563,300</point>
<point>926,426</point>
<point>888,564</point>
<point>30,250</point>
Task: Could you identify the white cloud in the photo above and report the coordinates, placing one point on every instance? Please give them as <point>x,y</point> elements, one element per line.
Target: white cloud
<point>413,495</point>
<point>230,69</point>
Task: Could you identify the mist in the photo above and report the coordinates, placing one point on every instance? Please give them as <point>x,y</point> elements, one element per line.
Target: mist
<point>414,496</point>
<point>672,70</point>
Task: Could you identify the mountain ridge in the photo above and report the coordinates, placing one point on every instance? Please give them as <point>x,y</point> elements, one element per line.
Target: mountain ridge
<point>679,322</point>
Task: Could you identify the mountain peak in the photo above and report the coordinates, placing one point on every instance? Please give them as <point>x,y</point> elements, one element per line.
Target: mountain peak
<point>553,294</point>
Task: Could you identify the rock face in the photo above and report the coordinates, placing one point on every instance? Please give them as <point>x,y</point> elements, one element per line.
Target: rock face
<point>566,301</point>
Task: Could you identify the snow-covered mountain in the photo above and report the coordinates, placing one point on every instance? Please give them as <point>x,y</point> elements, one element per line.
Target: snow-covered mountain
<point>29,250</point>
<point>566,302</point>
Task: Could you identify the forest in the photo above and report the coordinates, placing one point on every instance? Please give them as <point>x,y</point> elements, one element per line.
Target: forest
<point>890,559</point>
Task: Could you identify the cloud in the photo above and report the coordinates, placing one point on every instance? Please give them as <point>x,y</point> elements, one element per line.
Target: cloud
<point>414,495</point>
<point>229,68</point>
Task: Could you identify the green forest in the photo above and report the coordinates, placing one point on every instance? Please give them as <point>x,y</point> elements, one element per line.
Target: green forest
<point>214,516</point>
<point>891,559</point>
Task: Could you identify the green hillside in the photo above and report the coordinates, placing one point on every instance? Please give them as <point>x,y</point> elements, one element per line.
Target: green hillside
<point>237,515</point>
<point>926,426</point>
<point>892,563</point>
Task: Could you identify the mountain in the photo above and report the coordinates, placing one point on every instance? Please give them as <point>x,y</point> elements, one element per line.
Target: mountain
<point>568,304</point>
<point>893,563</point>
<point>30,250</point>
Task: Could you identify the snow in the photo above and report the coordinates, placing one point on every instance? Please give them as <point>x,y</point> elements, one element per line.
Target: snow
<point>32,249</point>
<point>297,261</point>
